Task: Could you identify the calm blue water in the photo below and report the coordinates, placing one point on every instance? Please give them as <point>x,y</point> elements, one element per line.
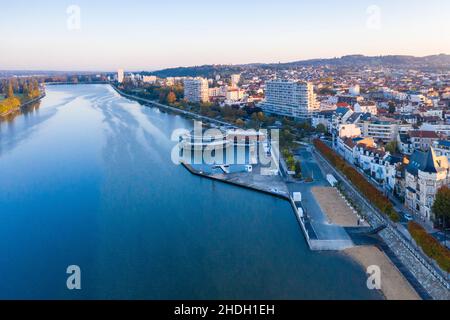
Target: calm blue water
<point>87,179</point>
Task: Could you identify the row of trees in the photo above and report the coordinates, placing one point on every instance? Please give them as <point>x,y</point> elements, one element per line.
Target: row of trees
<point>441,207</point>
<point>26,89</point>
<point>23,87</point>
<point>293,165</point>
<point>366,188</point>
<point>430,245</point>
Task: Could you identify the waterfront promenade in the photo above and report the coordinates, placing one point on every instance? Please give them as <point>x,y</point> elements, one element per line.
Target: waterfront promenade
<point>328,236</point>
<point>415,263</point>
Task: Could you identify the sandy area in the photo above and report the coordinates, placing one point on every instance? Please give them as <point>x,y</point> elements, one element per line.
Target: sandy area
<point>335,207</point>
<point>393,285</point>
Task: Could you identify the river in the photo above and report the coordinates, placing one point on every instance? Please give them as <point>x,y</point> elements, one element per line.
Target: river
<point>86,179</point>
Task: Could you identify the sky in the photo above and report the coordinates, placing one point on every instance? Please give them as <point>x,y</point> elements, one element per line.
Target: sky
<point>149,35</point>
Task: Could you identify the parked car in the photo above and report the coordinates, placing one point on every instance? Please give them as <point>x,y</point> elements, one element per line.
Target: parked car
<point>408,217</point>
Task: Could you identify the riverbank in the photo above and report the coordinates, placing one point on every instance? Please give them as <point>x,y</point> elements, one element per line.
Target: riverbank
<point>414,265</point>
<point>167,232</point>
<point>394,286</point>
<point>16,109</point>
<point>328,243</point>
<point>179,111</point>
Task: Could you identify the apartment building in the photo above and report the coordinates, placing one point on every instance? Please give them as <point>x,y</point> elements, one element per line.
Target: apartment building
<point>384,130</point>
<point>426,173</point>
<point>235,78</point>
<point>290,98</point>
<point>120,75</point>
<point>366,107</point>
<point>442,148</point>
<point>196,90</point>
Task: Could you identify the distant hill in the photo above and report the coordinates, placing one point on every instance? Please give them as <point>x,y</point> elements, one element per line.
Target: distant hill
<point>434,62</point>
<point>197,71</point>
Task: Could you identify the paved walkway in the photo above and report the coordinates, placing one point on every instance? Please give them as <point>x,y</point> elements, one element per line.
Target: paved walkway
<point>318,219</point>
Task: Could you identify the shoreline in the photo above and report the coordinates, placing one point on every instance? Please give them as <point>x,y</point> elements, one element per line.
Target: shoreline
<point>344,252</point>
<point>12,111</point>
<point>394,285</point>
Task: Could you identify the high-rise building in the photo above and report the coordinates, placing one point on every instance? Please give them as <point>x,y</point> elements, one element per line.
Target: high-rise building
<point>290,98</point>
<point>120,75</point>
<point>196,90</point>
<point>235,78</point>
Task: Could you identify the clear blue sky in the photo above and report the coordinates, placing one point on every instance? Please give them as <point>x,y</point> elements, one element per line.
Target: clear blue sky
<point>138,35</point>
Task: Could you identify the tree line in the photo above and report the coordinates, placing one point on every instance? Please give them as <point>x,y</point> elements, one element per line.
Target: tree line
<point>16,91</point>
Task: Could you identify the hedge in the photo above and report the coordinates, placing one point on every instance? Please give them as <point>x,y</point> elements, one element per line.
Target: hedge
<point>430,245</point>
<point>367,189</point>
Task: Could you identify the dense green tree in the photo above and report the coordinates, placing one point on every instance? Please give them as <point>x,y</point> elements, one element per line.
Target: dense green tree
<point>321,128</point>
<point>298,169</point>
<point>441,206</point>
<point>392,147</point>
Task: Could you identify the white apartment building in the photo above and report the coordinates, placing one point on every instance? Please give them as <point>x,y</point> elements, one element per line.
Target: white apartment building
<point>349,131</point>
<point>384,130</point>
<point>234,94</point>
<point>218,91</point>
<point>438,128</point>
<point>196,90</point>
<point>120,75</point>
<point>366,107</point>
<point>290,98</point>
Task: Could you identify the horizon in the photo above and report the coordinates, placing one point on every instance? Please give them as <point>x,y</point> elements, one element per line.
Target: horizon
<point>215,64</point>
<point>104,36</point>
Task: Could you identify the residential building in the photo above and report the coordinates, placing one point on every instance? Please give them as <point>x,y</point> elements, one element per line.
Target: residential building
<point>348,131</point>
<point>384,130</point>
<point>234,94</point>
<point>196,90</point>
<point>442,148</point>
<point>440,128</point>
<point>422,140</point>
<point>290,98</point>
<point>120,75</point>
<point>366,107</point>
<point>426,173</point>
<point>323,117</point>
<point>235,78</point>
